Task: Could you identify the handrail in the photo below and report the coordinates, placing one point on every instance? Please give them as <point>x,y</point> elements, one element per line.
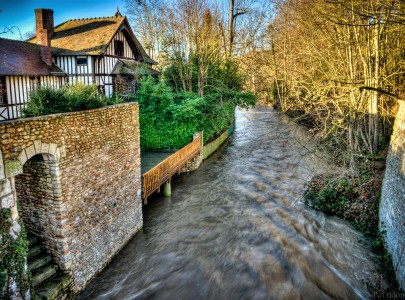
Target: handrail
<point>155,177</point>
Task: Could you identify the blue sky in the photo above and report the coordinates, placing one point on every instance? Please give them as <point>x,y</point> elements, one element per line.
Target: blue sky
<point>20,13</point>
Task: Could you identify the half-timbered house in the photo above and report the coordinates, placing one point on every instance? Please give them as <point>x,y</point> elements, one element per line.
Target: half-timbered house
<point>102,51</point>
<point>22,69</point>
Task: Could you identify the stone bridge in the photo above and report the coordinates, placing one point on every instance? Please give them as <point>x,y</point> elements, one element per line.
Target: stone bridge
<point>77,179</point>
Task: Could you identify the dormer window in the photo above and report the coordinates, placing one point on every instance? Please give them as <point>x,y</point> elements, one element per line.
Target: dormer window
<point>81,61</point>
<point>119,48</point>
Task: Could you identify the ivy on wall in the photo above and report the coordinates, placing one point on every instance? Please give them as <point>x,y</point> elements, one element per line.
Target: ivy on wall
<point>13,257</point>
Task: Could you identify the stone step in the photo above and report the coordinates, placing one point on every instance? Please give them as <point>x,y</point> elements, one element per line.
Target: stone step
<point>34,251</point>
<point>39,261</point>
<point>32,240</point>
<point>51,288</point>
<point>42,274</point>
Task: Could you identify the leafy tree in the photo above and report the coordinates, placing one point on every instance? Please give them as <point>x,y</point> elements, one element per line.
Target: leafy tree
<point>168,119</point>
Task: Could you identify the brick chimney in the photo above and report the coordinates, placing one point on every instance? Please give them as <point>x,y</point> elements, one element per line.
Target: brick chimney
<point>44,30</point>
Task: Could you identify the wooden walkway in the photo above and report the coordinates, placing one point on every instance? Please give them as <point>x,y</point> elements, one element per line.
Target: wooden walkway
<point>149,159</point>
<point>154,178</point>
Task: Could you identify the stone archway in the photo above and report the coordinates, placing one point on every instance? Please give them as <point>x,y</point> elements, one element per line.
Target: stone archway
<point>35,180</point>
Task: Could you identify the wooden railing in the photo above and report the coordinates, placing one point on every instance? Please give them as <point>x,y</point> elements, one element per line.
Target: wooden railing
<point>154,178</point>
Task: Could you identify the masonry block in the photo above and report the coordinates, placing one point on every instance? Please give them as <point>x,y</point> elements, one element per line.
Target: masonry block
<point>37,146</point>
<point>7,201</point>
<point>13,168</point>
<point>14,213</point>
<point>62,151</point>
<point>2,174</point>
<point>44,148</point>
<point>5,187</point>
<point>30,151</point>
<point>22,157</point>
<point>57,155</point>
<point>52,149</point>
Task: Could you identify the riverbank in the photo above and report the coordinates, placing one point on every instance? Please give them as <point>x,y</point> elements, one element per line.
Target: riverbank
<point>355,197</point>
<point>236,228</point>
<point>210,147</point>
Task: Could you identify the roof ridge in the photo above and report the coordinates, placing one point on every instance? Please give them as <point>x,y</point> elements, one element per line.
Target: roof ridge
<point>84,19</point>
<point>94,18</point>
<point>26,42</point>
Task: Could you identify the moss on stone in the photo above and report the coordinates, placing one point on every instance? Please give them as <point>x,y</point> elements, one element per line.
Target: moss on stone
<point>13,168</point>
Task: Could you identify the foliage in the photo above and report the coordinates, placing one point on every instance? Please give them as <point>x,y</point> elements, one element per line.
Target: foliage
<point>355,197</point>
<point>219,76</point>
<point>47,100</point>
<point>14,252</point>
<point>168,119</point>
<point>331,195</point>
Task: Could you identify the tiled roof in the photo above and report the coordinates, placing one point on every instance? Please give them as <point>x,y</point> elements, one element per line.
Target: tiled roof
<point>22,58</point>
<point>88,36</point>
<point>130,67</point>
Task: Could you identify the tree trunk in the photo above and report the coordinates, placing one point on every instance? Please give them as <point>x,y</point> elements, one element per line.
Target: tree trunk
<point>376,83</point>
<point>231,29</point>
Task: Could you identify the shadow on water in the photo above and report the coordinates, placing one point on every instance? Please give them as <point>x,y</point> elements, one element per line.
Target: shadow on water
<point>237,229</point>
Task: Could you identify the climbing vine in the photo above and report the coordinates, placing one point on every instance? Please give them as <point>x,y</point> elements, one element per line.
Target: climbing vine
<point>14,253</point>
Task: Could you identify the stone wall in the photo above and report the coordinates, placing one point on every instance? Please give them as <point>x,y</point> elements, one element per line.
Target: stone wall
<point>392,207</point>
<point>211,147</point>
<point>196,161</point>
<point>91,168</point>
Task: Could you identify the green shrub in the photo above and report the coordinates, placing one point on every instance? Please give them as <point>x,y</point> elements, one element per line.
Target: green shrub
<point>355,198</point>
<point>331,195</point>
<point>168,119</point>
<point>47,100</point>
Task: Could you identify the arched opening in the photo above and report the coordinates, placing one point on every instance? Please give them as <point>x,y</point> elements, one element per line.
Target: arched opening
<point>35,195</point>
<point>39,195</point>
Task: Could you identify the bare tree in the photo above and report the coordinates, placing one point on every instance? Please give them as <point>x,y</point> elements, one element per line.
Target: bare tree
<point>147,17</point>
<point>11,29</point>
<point>339,62</point>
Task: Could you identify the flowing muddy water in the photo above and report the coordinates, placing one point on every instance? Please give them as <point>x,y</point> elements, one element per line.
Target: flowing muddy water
<point>237,229</point>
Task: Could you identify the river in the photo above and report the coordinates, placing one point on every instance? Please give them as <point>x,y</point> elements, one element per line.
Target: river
<point>237,228</point>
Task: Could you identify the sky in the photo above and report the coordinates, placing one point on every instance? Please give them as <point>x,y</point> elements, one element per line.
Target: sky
<point>20,13</point>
